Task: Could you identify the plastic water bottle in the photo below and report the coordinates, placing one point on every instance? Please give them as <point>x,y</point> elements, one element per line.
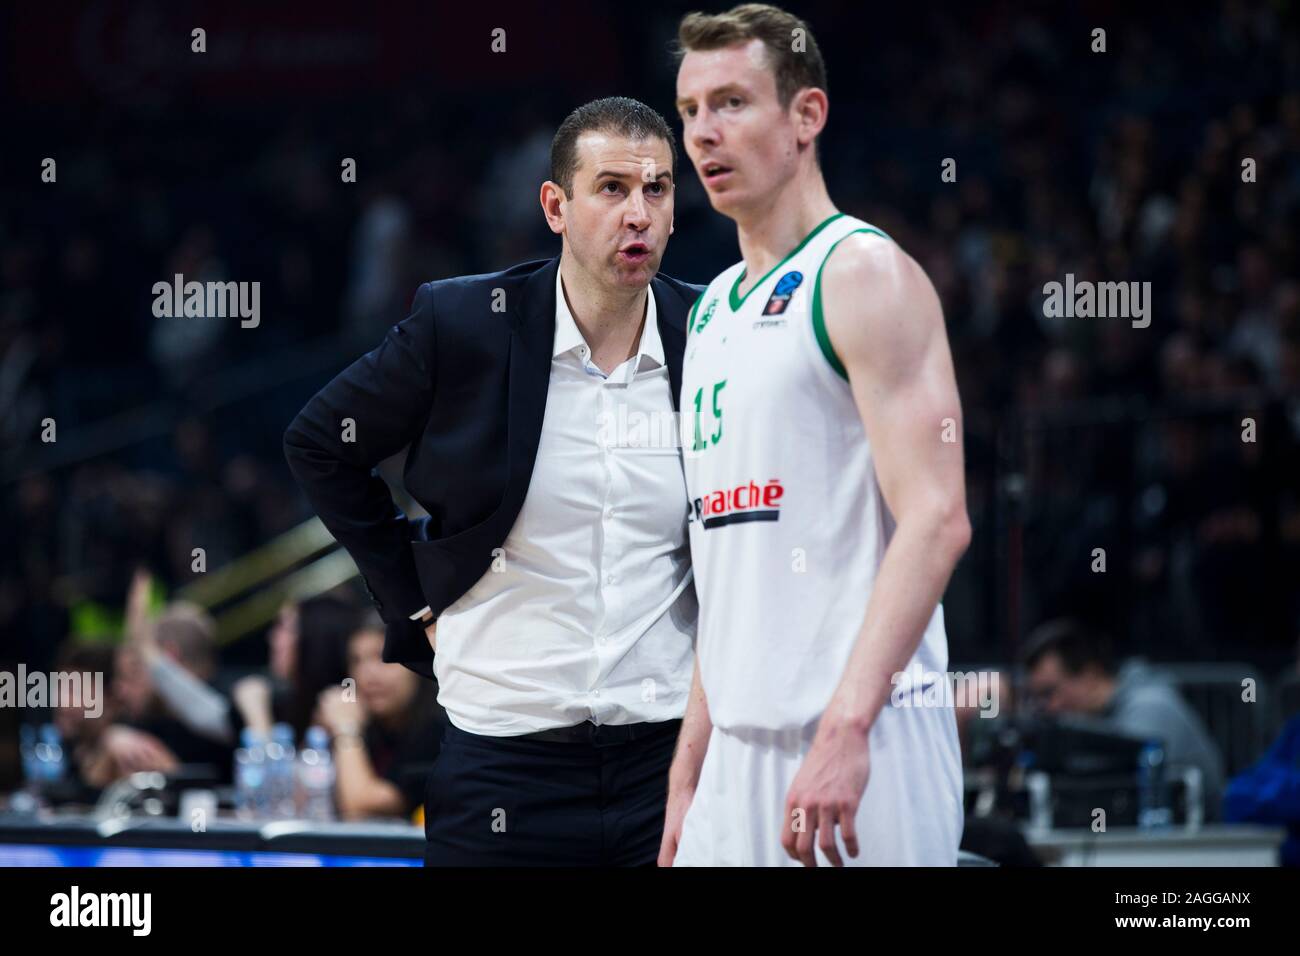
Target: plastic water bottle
<point>1039,787</point>
<point>33,772</point>
<point>1194,795</point>
<point>250,777</point>
<point>49,751</point>
<point>280,765</point>
<point>30,798</point>
<point>1153,809</point>
<point>316,776</point>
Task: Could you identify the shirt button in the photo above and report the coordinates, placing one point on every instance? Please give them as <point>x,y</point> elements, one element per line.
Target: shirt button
<point>595,693</point>
<point>609,579</point>
<point>609,512</point>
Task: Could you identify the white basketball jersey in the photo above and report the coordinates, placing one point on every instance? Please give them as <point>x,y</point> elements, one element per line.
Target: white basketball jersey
<point>787,523</point>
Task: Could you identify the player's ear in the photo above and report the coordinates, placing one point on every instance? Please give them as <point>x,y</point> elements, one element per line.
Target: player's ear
<point>809,108</point>
<point>552,198</point>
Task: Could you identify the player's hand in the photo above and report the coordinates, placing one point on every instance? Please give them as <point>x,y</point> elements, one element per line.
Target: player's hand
<point>431,632</point>
<point>826,793</point>
<point>679,801</point>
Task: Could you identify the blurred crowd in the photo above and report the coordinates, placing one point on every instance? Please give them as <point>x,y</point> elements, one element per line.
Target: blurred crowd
<point>170,707</point>
<point>1081,434</point>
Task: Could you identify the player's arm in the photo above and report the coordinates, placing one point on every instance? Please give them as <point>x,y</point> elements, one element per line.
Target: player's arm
<point>886,325</point>
<point>684,774</point>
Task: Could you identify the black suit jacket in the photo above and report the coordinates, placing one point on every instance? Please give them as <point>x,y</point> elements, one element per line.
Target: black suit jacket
<point>463,381</point>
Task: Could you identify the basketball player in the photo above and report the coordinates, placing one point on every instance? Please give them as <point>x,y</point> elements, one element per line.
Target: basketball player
<point>824,471</point>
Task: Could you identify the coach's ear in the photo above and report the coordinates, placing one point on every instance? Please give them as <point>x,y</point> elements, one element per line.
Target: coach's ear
<point>552,198</point>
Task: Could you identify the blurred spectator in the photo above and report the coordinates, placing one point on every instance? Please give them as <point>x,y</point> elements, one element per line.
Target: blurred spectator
<point>1070,671</point>
<point>102,749</point>
<point>83,737</point>
<point>179,650</point>
<point>160,690</point>
<point>308,653</point>
<point>386,739</point>
<point>1269,792</point>
<point>377,288</point>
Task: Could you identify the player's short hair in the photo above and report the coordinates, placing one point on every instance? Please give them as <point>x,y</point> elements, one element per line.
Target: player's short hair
<point>613,114</point>
<point>794,69</point>
<point>1077,645</point>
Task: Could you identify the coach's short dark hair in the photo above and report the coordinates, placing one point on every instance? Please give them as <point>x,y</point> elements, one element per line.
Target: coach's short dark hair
<point>1077,645</point>
<point>613,114</point>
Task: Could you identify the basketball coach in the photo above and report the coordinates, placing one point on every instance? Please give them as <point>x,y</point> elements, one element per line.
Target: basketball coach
<point>552,575</point>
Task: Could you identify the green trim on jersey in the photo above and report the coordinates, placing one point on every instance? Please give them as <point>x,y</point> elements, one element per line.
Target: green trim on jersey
<point>738,300</point>
<point>818,320</point>
<point>690,319</point>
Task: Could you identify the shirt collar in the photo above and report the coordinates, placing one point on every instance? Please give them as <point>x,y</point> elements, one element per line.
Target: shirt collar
<point>568,336</point>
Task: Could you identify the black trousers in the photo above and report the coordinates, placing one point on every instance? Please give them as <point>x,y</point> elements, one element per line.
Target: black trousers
<point>507,801</point>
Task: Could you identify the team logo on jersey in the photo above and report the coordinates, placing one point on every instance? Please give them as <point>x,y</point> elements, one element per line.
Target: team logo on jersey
<point>748,502</point>
<point>780,297</point>
<point>703,320</point>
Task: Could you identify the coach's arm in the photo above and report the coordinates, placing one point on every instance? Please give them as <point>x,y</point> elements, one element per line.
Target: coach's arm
<point>886,326</point>
<point>386,394</point>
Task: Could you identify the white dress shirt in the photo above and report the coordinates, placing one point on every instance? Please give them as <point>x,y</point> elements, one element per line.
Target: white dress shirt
<point>589,614</point>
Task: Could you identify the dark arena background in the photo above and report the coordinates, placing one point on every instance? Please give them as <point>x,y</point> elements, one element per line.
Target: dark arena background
<point>1133,482</point>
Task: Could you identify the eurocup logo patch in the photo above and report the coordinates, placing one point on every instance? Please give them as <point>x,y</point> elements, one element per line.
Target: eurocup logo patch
<point>780,297</point>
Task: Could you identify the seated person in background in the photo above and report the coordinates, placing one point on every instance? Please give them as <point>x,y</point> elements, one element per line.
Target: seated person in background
<point>179,650</point>
<point>1070,671</point>
<point>95,755</point>
<point>260,698</point>
<point>386,739</point>
<point>306,654</point>
<point>101,750</point>
<point>1269,791</point>
<point>161,695</point>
